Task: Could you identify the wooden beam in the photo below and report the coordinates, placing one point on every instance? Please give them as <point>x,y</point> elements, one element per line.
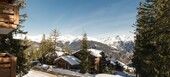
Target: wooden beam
<point>7,5</point>
<point>2,24</point>
<point>5,60</point>
<point>2,54</point>
<point>2,11</point>
<point>6,16</point>
<point>6,20</point>
<point>9,15</point>
<point>3,66</point>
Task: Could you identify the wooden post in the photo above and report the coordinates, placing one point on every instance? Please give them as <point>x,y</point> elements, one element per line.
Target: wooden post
<point>13,67</point>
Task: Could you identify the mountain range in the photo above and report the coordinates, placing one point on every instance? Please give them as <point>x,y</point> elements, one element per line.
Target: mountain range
<point>119,47</point>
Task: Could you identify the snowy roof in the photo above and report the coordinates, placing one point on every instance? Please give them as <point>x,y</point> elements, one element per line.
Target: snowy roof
<point>113,61</point>
<point>95,52</point>
<point>121,63</point>
<point>58,48</point>
<point>59,53</point>
<point>107,75</point>
<point>70,59</point>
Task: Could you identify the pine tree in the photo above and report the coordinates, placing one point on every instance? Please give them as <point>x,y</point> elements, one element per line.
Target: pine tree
<point>42,48</point>
<point>67,50</point>
<point>54,34</point>
<point>50,53</point>
<point>48,48</point>
<point>143,48</point>
<point>152,44</point>
<point>52,41</point>
<point>85,65</point>
<point>162,41</point>
<point>104,64</point>
<point>31,51</point>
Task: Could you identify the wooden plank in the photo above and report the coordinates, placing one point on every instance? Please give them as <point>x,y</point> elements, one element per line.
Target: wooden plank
<point>2,54</point>
<point>4,66</point>
<point>13,67</point>
<point>7,1</point>
<point>16,15</point>
<point>12,26</point>
<point>7,5</point>
<point>5,60</point>
<point>6,16</point>
<point>6,20</point>
<point>6,11</point>
<point>5,73</point>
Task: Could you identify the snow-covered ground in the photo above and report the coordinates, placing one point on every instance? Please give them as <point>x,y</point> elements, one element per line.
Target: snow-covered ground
<point>107,75</point>
<point>34,73</point>
<point>66,73</point>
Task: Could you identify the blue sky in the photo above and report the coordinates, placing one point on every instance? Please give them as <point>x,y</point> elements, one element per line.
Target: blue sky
<point>98,18</point>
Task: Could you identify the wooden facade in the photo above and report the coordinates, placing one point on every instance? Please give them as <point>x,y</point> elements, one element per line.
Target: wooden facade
<point>65,64</point>
<point>7,65</point>
<point>60,63</point>
<point>9,20</point>
<point>9,16</point>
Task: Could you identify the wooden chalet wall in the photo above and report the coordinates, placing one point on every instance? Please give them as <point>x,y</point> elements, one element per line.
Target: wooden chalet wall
<point>9,15</point>
<point>7,65</point>
<point>60,63</point>
<point>9,20</point>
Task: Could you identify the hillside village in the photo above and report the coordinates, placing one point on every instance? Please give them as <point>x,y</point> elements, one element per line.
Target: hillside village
<point>99,61</point>
<point>145,53</point>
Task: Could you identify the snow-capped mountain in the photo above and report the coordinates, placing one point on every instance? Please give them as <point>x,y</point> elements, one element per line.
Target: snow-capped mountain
<point>121,43</point>
<point>70,39</point>
<point>75,43</point>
